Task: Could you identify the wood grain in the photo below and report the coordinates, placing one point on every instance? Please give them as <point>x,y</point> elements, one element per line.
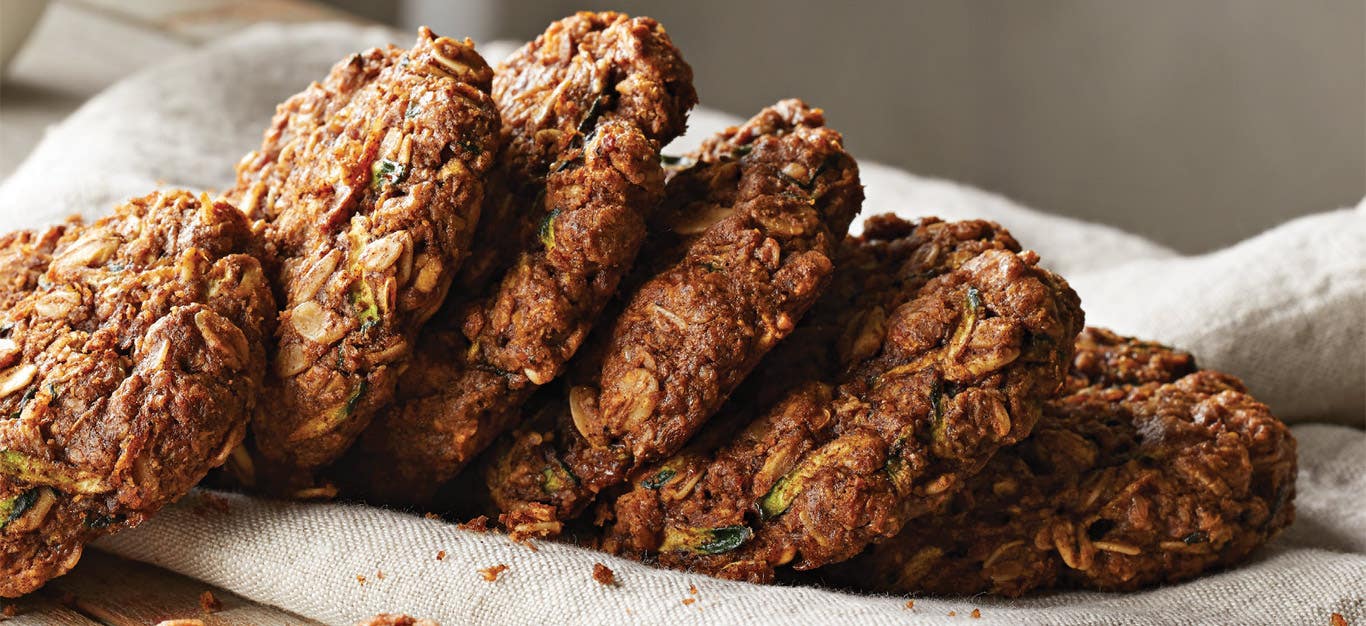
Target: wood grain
<point>41,609</point>
<point>114,591</point>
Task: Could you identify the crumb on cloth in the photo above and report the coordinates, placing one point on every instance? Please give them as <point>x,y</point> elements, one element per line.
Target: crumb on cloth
<point>491,574</point>
<point>531,521</point>
<point>479,524</point>
<point>396,619</point>
<point>210,603</point>
<point>604,575</point>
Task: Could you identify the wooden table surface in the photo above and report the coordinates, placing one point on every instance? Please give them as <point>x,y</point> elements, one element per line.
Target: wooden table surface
<point>104,589</point>
<point>48,80</point>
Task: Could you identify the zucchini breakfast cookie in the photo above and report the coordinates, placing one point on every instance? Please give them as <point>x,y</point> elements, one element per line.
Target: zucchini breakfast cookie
<point>586,107</point>
<point>367,188</point>
<point>126,374</point>
<point>756,219</point>
<point>1148,474</point>
<point>583,69</point>
<point>952,343</point>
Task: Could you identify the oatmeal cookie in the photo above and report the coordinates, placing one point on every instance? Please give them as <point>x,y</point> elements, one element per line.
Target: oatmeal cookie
<point>367,188</point>
<point>1151,474</point>
<point>585,69</point>
<point>752,226</point>
<point>126,374</point>
<point>953,342</point>
<point>586,107</point>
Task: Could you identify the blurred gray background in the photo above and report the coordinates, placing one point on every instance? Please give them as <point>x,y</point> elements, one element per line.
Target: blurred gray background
<point>1197,123</point>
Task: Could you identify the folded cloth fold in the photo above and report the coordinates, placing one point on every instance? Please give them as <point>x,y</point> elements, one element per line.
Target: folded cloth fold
<point>1285,311</point>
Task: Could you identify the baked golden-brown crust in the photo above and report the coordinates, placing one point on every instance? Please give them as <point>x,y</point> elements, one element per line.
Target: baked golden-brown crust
<point>126,374</point>
<point>585,69</point>
<point>690,334</point>
<point>747,232</point>
<point>586,107</point>
<point>1149,475</point>
<point>472,373</point>
<point>367,187</point>
<point>950,339</point>
<point>1104,358</point>
<point>24,256</point>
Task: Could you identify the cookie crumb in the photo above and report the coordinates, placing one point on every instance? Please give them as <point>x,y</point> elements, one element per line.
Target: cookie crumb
<point>360,579</point>
<point>604,575</point>
<point>209,603</point>
<point>688,601</point>
<point>396,619</point>
<point>531,521</point>
<point>379,574</point>
<point>910,604</point>
<point>692,589</point>
<point>977,614</point>
<point>1337,620</point>
<point>479,524</point>
<point>431,516</point>
<point>491,574</point>
<point>953,613</point>
<point>440,555</point>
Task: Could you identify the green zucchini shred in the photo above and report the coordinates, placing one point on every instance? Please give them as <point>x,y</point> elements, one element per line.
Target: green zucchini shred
<point>387,172</point>
<point>546,231</point>
<point>14,508</point>
<point>660,479</point>
<point>705,540</point>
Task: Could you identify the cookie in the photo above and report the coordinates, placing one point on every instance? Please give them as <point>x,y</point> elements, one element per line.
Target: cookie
<point>366,190</point>
<point>950,346</point>
<point>126,374</point>
<point>586,107</point>
<point>743,250</point>
<point>1152,473</point>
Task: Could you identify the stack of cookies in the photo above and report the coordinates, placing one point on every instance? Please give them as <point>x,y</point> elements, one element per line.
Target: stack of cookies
<point>447,287</point>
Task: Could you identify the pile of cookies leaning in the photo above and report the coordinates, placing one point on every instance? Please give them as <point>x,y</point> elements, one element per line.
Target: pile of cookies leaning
<point>445,287</point>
